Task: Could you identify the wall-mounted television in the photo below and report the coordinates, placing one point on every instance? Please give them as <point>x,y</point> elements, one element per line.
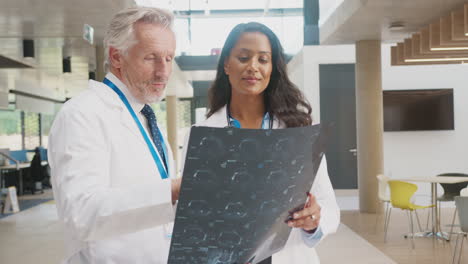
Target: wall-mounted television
<point>415,110</point>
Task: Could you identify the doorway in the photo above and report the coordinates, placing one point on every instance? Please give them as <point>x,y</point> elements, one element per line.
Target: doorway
<point>338,106</point>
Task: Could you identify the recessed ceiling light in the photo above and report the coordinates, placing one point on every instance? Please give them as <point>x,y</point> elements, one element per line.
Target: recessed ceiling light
<point>396,26</point>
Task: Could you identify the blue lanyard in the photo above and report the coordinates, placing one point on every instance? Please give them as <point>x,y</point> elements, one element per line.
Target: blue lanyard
<point>266,120</point>
<point>156,158</point>
<point>232,122</point>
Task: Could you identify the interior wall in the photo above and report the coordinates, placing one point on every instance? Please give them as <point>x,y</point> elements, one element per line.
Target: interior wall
<point>427,153</point>
<point>411,153</point>
<point>305,66</point>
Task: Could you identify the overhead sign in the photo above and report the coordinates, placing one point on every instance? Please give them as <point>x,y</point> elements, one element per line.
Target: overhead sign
<point>88,33</point>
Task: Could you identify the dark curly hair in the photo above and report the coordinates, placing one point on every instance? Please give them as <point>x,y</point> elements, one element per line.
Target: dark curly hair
<point>283,99</point>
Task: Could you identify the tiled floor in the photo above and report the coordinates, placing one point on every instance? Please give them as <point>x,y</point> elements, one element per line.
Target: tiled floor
<point>345,246</point>
<point>427,250</point>
<point>32,236</point>
<point>35,236</point>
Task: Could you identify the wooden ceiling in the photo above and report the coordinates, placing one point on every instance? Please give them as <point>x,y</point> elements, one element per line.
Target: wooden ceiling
<point>444,41</point>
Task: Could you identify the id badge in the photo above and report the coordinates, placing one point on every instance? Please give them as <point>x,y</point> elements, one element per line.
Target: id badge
<point>168,230</point>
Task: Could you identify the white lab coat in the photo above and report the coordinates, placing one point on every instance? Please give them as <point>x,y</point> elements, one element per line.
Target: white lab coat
<point>113,203</point>
<point>298,249</point>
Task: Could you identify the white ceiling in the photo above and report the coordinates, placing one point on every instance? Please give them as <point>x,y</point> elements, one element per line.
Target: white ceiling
<point>355,20</point>
<point>57,25</point>
<point>326,9</point>
<point>57,28</point>
<point>56,18</point>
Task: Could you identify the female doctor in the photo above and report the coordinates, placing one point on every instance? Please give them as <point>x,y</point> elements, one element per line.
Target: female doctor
<point>252,90</point>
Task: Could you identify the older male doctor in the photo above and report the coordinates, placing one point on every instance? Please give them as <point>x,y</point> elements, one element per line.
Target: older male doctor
<point>111,167</point>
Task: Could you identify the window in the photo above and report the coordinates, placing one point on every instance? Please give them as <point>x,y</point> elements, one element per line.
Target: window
<point>31,130</point>
<point>10,130</point>
<point>160,112</point>
<point>46,124</point>
<point>181,29</point>
<point>231,5</point>
<point>211,32</point>
<point>184,113</point>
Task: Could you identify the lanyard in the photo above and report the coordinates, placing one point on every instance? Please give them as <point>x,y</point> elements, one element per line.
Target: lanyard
<point>237,124</point>
<point>156,158</point>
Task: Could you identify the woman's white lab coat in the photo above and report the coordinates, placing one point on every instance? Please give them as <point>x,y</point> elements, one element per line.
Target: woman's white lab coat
<point>298,249</point>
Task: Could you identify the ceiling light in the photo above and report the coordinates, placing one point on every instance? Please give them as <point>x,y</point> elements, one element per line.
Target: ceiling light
<point>450,48</point>
<point>437,59</point>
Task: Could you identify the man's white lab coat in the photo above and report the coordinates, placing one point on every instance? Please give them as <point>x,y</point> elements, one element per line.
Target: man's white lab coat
<point>114,205</point>
<point>299,247</point>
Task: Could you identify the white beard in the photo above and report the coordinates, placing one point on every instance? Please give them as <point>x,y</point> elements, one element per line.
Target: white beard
<point>142,91</point>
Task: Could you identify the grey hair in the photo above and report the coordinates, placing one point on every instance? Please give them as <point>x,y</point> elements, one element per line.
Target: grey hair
<point>120,33</point>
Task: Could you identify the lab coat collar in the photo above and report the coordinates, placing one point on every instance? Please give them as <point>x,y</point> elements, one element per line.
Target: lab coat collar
<point>134,103</point>
<point>109,97</point>
<point>218,119</point>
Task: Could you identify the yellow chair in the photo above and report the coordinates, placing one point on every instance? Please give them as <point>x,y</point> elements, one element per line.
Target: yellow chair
<point>400,197</point>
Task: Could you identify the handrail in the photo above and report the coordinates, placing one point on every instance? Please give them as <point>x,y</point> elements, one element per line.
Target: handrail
<point>12,159</point>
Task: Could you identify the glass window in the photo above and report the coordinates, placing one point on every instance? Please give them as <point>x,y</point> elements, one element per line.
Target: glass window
<point>181,29</point>
<point>46,124</point>
<point>238,4</point>
<point>10,129</point>
<point>31,130</point>
<point>211,32</point>
<point>184,114</point>
<point>160,112</point>
<point>290,31</point>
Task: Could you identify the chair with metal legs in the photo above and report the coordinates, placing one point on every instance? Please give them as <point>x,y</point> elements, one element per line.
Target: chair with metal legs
<point>384,197</point>
<point>451,190</point>
<point>464,192</point>
<point>400,197</point>
<point>461,203</point>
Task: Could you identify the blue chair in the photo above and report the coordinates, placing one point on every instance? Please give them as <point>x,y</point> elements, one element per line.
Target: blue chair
<point>43,153</point>
<point>19,155</point>
<point>20,178</point>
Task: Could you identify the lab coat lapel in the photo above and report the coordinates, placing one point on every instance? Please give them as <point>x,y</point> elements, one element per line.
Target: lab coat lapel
<point>110,98</point>
<point>129,123</point>
<point>218,119</point>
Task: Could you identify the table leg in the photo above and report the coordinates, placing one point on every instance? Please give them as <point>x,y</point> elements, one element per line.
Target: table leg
<point>435,231</point>
<point>20,191</point>
<point>435,211</point>
<point>2,182</point>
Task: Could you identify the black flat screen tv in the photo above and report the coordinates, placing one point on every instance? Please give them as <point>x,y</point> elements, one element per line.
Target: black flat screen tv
<point>415,110</point>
